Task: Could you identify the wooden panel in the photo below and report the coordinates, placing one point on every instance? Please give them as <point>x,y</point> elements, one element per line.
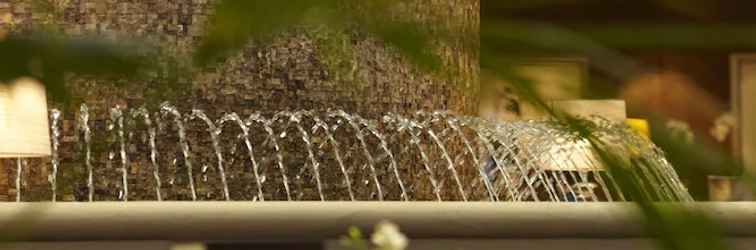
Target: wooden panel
<point>743,87</point>
<point>554,79</point>
<point>747,98</point>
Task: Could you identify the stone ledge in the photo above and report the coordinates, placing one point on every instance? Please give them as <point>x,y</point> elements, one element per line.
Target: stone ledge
<point>317,221</point>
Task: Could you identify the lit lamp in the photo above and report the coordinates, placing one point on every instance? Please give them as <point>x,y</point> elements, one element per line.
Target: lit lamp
<point>24,130</point>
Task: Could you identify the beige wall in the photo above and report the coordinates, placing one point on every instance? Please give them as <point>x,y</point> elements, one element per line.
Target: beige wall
<point>744,105</point>
<point>553,79</point>
<point>747,98</point>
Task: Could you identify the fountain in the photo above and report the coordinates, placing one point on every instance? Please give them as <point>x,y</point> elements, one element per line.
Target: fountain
<point>308,175</point>
<point>338,156</point>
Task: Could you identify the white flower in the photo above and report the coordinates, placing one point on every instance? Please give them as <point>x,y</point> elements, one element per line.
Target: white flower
<point>388,237</point>
<point>722,127</point>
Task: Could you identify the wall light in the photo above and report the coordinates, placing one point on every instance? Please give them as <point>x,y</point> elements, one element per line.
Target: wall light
<point>24,130</point>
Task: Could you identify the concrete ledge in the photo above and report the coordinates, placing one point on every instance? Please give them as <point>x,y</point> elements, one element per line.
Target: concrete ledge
<point>547,244</point>
<point>316,221</point>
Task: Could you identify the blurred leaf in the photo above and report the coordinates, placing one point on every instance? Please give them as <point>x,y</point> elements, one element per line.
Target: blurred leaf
<point>354,239</point>
<point>514,5</point>
<point>700,9</point>
<point>411,41</point>
<point>527,36</point>
<point>237,22</point>
<point>522,39</point>
<point>695,156</point>
<point>675,226</point>
<point>676,36</point>
<point>50,58</point>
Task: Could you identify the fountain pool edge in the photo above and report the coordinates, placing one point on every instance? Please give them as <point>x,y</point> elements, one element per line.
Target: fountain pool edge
<point>307,221</point>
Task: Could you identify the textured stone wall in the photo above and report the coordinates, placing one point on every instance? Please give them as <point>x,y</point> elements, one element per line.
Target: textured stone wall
<point>306,68</point>
<point>297,70</point>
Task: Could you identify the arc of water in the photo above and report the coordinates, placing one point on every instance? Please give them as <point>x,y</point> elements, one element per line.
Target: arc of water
<point>635,174</point>
<point>655,172</point>
<point>596,173</point>
<point>476,161</point>
<point>666,178</point>
<point>491,152</point>
<point>654,163</point>
<point>19,173</point>
<point>245,134</point>
<point>296,117</point>
<point>539,173</point>
<point>320,124</point>
<point>611,135</point>
<point>214,133</point>
<point>616,187</point>
<point>671,176</point>
<point>370,128</point>
<point>566,189</point>
<point>84,126</point>
<point>549,138</point>
<point>152,133</point>
<point>361,137</point>
<point>587,150</point>
<point>484,133</point>
<point>257,118</point>
<point>658,183</point>
<point>489,149</point>
<point>403,124</point>
<point>450,165</point>
<point>168,109</point>
<point>116,116</point>
<point>668,172</point>
<point>626,141</point>
<point>504,137</point>
<point>452,123</point>
<point>55,116</point>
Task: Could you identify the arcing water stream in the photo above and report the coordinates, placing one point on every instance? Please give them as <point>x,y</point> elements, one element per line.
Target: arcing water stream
<point>335,155</point>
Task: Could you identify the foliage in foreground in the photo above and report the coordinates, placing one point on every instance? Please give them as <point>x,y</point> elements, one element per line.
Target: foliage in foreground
<point>505,41</point>
<point>386,236</point>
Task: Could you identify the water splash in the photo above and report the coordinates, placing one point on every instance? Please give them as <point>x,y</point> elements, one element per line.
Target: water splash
<point>247,143</point>
<point>477,159</point>
<point>214,133</point>
<point>168,109</point>
<point>87,133</point>
<point>403,124</point>
<point>295,118</point>
<point>259,119</point>
<point>55,117</point>
<point>19,173</point>
<point>116,118</point>
<point>320,124</point>
<point>152,133</point>
<point>361,137</point>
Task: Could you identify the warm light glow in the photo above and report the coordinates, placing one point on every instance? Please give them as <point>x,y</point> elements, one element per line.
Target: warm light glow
<point>640,126</point>
<point>24,128</point>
